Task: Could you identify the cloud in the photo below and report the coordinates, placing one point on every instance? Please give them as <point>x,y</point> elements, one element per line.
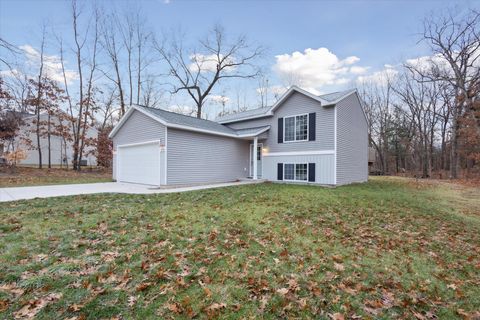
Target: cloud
<point>182,109</point>
<point>207,63</point>
<point>10,73</point>
<point>426,63</point>
<point>381,77</point>
<point>315,68</point>
<point>219,99</point>
<point>276,91</point>
<point>52,64</point>
<point>358,70</point>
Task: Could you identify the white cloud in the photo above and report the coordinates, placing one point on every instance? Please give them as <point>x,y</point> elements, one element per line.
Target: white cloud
<point>219,99</point>
<point>52,64</point>
<point>10,73</point>
<point>426,63</point>
<point>382,77</point>
<point>358,70</point>
<point>182,109</point>
<point>207,63</point>
<point>315,68</point>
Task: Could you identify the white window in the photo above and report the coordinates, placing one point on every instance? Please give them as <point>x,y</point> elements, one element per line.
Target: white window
<point>301,171</point>
<point>295,128</point>
<point>295,171</point>
<point>289,129</point>
<point>289,171</point>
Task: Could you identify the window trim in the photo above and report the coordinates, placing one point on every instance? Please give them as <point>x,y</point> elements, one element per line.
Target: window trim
<point>295,172</point>
<point>295,128</point>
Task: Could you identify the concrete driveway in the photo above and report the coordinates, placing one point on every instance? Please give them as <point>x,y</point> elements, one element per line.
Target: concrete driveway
<point>24,193</point>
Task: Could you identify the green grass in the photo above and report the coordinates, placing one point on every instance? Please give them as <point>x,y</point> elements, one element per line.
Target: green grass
<point>389,248</point>
<point>26,176</point>
<point>43,181</point>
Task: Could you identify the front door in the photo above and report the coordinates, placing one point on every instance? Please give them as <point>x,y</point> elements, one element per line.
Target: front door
<point>259,160</point>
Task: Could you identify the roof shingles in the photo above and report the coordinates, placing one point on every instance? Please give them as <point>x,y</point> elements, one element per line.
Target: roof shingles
<point>330,98</point>
<point>201,124</point>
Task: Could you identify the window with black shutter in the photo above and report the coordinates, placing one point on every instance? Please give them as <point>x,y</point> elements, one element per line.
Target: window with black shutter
<point>280,130</point>
<point>312,126</point>
<point>280,171</point>
<point>311,172</point>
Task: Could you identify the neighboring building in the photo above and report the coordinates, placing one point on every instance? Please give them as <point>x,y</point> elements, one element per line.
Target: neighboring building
<point>301,138</point>
<point>61,150</point>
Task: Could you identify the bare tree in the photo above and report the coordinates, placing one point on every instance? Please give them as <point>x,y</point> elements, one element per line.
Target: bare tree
<point>379,105</point>
<point>112,47</point>
<point>422,100</point>
<point>7,47</point>
<point>199,71</point>
<point>81,111</point>
<point>262,90</point>
<point>125,41</point>
<point>455,43</point>
<point>37,102</point>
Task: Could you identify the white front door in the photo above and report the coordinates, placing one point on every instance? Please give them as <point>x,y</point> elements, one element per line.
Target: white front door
<point>259,160</point>
<point>139,163</point>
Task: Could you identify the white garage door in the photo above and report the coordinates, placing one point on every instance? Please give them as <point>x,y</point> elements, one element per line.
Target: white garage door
<point>139,163</point>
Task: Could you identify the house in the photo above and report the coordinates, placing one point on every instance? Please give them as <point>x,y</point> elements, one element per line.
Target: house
<point>61,151</point>
<point>301,138</point>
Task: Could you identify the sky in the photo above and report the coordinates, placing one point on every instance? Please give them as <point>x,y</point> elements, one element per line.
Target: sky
<point>329,44</point>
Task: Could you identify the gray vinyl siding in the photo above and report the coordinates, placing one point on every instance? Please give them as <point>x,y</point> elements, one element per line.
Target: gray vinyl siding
<point>352,142</point>
<point>58,150</point>
<point>297,103</point>
<point>137,129</point>
<point>324,166</point>
<point>194,158</point>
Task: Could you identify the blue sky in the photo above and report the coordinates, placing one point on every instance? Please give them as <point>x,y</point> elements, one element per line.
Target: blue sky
<point>375,32</point>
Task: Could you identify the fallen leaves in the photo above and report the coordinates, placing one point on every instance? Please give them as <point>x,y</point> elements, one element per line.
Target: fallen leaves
<point>185,257</point>
<point>32,307</point>
<point>144,286</point>
<point>282,291</point>
<point>12,289</point>
<point>336,316</point>
<point>339,267</point>
<point>4,305</point>
<point>215,308</point>
<point>132,300</point>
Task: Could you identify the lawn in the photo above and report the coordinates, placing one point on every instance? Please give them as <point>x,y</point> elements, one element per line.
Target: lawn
<point>390,248</point>
<point>26,176</point>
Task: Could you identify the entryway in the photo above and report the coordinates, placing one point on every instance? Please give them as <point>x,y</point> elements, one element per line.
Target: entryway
<point>259,160</point>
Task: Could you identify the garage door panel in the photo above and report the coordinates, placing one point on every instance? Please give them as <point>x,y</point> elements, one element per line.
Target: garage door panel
<point>139,164</point>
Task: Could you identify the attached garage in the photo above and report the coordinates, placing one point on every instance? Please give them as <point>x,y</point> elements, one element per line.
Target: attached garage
<point>139,163</point>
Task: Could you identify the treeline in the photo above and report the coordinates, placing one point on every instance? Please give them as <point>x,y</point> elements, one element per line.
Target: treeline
<point>108,61</point>
<point>424,117</point>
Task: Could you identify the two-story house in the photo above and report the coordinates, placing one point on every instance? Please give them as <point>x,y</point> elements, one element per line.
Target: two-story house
<point>301,138</point>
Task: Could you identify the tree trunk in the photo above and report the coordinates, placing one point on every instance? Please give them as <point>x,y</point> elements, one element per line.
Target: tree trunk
<point>454,158</point>
<point>199,109</point>
<point>39,146</point>
<point>49,142</point>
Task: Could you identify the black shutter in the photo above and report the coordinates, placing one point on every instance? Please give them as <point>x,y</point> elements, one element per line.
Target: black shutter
<point>279,171</point>
<point>311,172</point>
<point>311,126</point>
<point>280,130</point>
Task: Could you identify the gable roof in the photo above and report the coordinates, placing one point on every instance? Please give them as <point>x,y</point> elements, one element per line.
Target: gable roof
<point>244,114</point>
<point>173,118</point>
<point>180,121</point>
<point>325,100</point>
